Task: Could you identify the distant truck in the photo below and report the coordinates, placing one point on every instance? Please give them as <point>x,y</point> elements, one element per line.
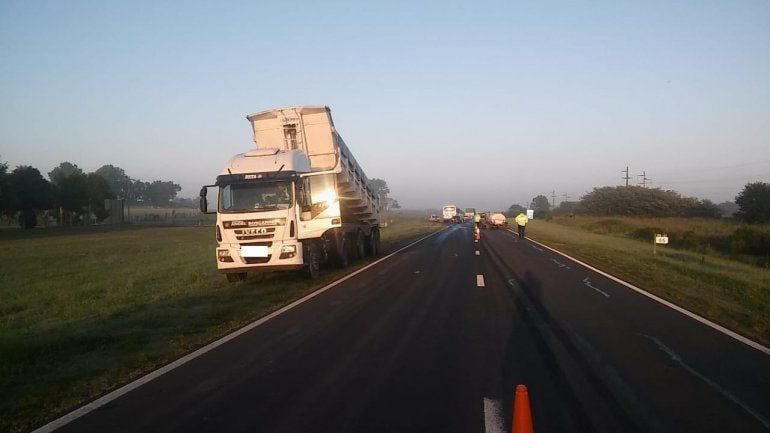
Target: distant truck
<point>449,213</point>
<point>496,221</point>
<point>469,213</point>
<point>298,200</point>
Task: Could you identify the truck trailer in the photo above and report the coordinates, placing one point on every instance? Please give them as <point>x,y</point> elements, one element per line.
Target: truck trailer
<point>298,200</point>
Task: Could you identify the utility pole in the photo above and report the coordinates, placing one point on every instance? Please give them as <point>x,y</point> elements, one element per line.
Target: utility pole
<point>553,199</point>
<point>645,179</point>
<point>626,177</point>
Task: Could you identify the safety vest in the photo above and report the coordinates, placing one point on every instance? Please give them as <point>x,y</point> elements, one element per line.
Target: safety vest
<point>521,219</point>
<point>476,218</point>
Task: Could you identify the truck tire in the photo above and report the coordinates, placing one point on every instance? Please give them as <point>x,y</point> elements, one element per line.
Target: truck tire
<point>360,251</point>
<point>369,244</point>
<point>342,257</point>
<point>234,278</point>
<point>376,249</point>
<point>313,260</point>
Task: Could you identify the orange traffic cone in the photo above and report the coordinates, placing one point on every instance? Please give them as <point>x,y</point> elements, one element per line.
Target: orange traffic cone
<point>522,414</point>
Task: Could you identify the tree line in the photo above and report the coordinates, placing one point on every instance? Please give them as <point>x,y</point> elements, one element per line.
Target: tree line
<point>751,205</point>
<point>380,187</point>
<point>70,195</point>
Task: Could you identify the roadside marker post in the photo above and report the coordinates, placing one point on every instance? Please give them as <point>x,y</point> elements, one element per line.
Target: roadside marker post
<point>660,238</point>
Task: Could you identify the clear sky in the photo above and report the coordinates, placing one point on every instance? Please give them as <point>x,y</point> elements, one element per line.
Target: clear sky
<point>484,104</point>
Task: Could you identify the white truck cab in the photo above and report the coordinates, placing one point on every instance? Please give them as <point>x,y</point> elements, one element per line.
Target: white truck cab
<point>298,204</point>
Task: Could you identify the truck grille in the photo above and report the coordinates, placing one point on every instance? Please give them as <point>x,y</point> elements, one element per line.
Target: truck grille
<point>254,233</point>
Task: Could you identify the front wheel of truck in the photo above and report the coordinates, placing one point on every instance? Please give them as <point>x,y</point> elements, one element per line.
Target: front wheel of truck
<point>313,259</point>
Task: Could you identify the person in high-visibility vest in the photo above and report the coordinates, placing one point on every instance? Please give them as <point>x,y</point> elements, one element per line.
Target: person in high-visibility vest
<point>476,219</point>
<point>521,222</point>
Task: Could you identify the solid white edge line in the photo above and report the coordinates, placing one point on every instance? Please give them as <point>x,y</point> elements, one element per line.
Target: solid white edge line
<point>688,313</point>
<point>479,280</point>
<point>493,421</point>
<point>125,389</point>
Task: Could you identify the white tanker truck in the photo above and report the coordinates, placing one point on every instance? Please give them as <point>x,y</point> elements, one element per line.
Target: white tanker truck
<point>299,200</point>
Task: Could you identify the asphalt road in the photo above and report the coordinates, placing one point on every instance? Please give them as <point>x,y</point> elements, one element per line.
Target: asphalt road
<point>416,344</point>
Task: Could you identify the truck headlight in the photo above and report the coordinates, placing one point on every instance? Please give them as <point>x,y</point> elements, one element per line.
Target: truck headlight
<point>288,251</point>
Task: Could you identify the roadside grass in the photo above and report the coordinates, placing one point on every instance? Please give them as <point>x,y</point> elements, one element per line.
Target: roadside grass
<point>731,293</point>
<point>85,310</point>
<point>748,243</point>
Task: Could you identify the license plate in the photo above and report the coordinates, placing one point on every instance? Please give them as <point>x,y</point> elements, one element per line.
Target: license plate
<point>254,251</point>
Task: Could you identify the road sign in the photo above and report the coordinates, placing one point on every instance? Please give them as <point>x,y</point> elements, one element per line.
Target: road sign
<point>661,239</point>
<point>530,214</point>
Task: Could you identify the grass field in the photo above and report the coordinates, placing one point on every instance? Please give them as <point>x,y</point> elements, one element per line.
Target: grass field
<point>723,237</point>
<point>84,310</point>
<point>730,292</point>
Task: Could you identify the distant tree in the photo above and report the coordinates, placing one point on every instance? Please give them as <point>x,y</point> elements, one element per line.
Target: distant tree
<point>98,192</point>
<point>634,201</point>
<point>568,208</point>
<point>160,193</point>
<point>137,191</point>
<point>28,192</point>
<point>514,210</point>
<point>71,192</point>
<point>754,203</point>
<point>63,170</point>
<point>77,192</point>
<point>540,205</point>
<point>387,203</point>
<point>728,209</point>
<point>117,180</point>
<point>695,208</point>
<point>380,187</point>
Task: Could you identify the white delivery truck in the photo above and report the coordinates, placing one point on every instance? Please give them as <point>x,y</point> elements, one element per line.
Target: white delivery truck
<point>298,200</point>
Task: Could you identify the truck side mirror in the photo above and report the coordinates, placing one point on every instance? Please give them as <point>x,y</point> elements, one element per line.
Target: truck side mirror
<point>204,203</point>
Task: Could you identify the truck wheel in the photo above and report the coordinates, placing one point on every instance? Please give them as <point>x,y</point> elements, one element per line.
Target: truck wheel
<point>342,256</point>
<point>360,246</point>
<point>376,249</point>
<point>234,278</point>
<point>369,244</point>
<point>313,260</point>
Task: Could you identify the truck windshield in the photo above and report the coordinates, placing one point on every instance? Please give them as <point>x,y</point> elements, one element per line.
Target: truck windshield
<point>255,197</point>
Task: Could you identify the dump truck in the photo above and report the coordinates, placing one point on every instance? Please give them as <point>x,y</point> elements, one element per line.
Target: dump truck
<point>496,221</point>
<point>299,200</point>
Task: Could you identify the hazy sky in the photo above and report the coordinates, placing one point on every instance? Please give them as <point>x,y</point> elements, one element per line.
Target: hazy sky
<point>483,104</point>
